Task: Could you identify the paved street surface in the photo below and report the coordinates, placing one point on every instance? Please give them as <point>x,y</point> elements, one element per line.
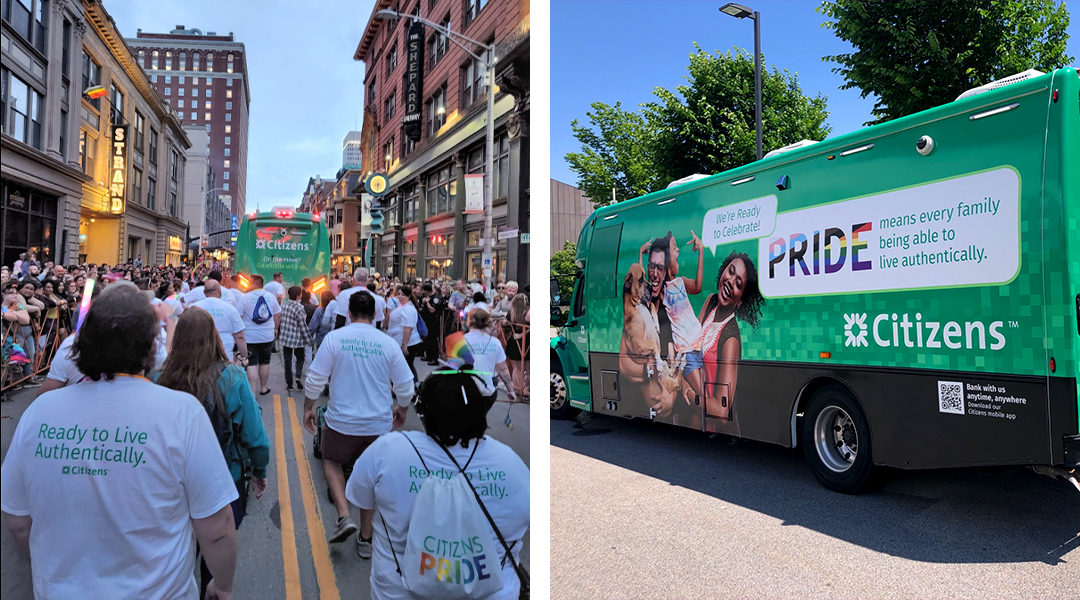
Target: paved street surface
<point>654,511</point>
<point>283,551</point>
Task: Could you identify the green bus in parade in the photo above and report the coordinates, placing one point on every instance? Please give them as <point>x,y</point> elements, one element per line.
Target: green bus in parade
<point>297,245</point>
<point>906,295</point>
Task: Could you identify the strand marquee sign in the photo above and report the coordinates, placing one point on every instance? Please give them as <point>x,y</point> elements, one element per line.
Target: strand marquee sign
<point>118,169</point>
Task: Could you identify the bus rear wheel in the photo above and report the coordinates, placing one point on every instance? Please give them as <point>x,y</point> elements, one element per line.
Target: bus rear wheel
<point>836,440</point>
<point>560,404</point>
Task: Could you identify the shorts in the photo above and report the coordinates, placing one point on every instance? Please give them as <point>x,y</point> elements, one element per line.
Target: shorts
<point>694,361</point>
<point>343,449</point>
<point>259,353</point>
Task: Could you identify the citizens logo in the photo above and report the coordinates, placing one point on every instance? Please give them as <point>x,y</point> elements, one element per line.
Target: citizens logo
<point>892,330</point>
<point>68,470</point>
<point>279,245</point>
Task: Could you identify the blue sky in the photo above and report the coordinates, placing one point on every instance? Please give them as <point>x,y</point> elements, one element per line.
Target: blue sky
<point>609,51</point>
<point>306,90</point>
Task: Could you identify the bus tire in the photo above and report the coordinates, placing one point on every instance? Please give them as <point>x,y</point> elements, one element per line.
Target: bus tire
<point>560,402</point>
<point>836,440</point>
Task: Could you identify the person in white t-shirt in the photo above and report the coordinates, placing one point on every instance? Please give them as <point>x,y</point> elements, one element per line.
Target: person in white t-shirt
<point>110,483</point>
<point>234,291</point>
<point>388,476</point>
<point>403,327</point>
<point>262,316</point>
<point>364,365</point>
<point>360,281</point>
<point>276,286</point>
<point>227,320</point>
<point>489,357</point>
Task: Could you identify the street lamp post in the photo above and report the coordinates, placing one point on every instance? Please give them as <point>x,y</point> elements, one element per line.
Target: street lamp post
<point>741,12</point>
<point>488,59</point>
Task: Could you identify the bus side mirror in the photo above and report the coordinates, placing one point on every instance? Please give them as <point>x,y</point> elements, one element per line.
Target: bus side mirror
<point>553,289</point>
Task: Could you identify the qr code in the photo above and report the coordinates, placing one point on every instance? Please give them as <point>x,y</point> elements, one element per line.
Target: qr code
<point>951,397</point>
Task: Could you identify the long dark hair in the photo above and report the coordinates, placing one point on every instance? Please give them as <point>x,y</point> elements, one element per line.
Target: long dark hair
<point>196,360</point>
<point>749,309</point>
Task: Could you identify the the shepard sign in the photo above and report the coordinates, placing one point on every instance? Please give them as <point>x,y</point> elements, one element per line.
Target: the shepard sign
<point>414,86</point>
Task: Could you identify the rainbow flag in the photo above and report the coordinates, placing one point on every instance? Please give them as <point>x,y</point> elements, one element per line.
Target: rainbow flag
<point>458,351</point>
<point>18,355</point>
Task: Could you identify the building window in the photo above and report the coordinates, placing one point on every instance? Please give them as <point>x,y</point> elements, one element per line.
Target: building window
<point>441,189</point>
<point>228,105</point>
<point>207,105</point>
<point>194,92</point>
<point>154,60</point>
<point>151,192</point>
<point>472,82</point>
<point>472,10</point>
<point>502,166</point>
<point>179,104</point>
<point>153,79</point>
<point>91,76</point>
<point>438,44</point>
<point>228,82</point>
<point>142,58</point>
<point>408,144</point>
<point>63,132</point>
<point>225,187</point>
<point>87,153</point>
<point>228,129</point>
<point>412,203</point>
<point>209,92</point>
<point>207,116</point>
<point>168,91</point>
<point>370,92</point>
<point>228,140</point>
<point>228,93</point>
<point>436,109</point>
<point>388,153</point>
<point>228,116</point>
<point>172,203</point>
<point>174,165</point>
<point>194,116</point>
<point>180,91</point>
<point>228,151</point>
<point>181,79</point>
<point>209,62</point>
<point>226,163</point>
<point>168,60</point>
<point>136,185</point>
<point>229,60</point>
<point>390,106</point>
<point>140,125</point>
<point>183,62</point>
<point>168,79</point>
<point>117,106</point>
<point>153,146</point>
<point>195,61</point>
<point>208,131</point>
<point>225,176</point>
<point>391,60</point>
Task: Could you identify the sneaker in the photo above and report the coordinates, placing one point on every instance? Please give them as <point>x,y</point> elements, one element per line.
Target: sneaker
<point>363,547</point>
<point>31,383</point>
<point>299,384</point>
<point>345,527</point>
<point>288,386</point>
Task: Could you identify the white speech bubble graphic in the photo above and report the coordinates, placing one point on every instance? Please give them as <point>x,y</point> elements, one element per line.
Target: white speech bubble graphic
<point>736,222</point>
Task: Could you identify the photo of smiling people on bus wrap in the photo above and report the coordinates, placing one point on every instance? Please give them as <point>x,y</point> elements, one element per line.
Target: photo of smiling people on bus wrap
<point>676,364</point>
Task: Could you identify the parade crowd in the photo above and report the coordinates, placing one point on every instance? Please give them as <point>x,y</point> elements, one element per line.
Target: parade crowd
<point>135,462</point>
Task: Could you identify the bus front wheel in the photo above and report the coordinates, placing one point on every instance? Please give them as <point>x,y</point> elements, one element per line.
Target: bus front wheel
<point>836,440</point>
<point>560,404</point>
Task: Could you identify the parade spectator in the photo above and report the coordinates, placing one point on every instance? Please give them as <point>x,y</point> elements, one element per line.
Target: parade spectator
<point>403,327</point>
<point>335,284</point>
<point>262,316</point>
<point>360,282</point>
<point>518,342</point>
<point>361,407</point>
<point>294,337</point>
<point>502,307</point>
<point>227,321</point>
<point>81,544</point>
<point>453,412</point>
<point>488,354</point>
<point>431,308</point>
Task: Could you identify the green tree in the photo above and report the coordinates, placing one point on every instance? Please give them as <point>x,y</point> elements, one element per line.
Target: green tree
<point>563,265</point>
<point>614,154</point>
<point>914,55</point>
<point>708,125</point>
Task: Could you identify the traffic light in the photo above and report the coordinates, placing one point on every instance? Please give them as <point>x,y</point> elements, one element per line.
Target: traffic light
<point>376,217</point>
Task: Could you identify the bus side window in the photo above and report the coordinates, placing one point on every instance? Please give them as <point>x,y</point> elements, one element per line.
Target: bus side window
<point>579,296</point>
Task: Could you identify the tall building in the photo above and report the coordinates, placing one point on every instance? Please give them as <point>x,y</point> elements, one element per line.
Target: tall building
<point>350,151</point>
<point>203,76</point>
<point>427,134</point>
<point>569,210</point>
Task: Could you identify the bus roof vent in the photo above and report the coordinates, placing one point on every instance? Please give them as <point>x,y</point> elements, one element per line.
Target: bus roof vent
<point>993,85</point>
<point>687,179</point>
<point>790,147</point>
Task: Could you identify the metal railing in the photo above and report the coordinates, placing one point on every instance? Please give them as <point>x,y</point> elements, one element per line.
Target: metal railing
<point>28,350</point>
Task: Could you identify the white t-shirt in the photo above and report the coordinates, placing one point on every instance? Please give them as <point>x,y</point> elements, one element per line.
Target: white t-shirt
<point>363,362</point>
<point>487,352</point>
<point>258,333</point>
<point>275,288</point>
<point>113,518</point>
<point>685,327</point>
<point>402,317</point>
<point>343,303</point>
<point>227,320</point>
<point>196,294</point>
<point>476,305</point>
<point>388,476</point>
<point>63,368</point>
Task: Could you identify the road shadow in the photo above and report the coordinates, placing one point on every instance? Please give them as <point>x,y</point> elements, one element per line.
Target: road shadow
<point>1000,515</point>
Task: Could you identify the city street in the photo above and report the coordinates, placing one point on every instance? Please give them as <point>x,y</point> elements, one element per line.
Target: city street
<point>283,551</point>
<point>653,511</point>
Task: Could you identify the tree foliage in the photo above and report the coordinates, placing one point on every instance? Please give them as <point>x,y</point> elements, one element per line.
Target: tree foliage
<point>563,265</point>
<point>914,55</point>
<point>706,126</point>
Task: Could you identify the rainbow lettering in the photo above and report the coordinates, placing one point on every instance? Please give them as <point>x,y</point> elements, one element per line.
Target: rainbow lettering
<point>794,248</point>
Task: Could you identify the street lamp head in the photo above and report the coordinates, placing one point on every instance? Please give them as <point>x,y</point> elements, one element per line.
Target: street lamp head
<point>387,14</point>
<point>736,10</point>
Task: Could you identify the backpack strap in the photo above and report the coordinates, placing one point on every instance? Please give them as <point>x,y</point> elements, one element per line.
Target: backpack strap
<point>426,469</point>
<point>523,575</point>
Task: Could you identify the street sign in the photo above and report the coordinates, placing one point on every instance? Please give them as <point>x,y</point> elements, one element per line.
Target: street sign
<point>506,234</point>
<point>474,193</point>
<point>525,238</point>
<point>487,260</point>
<point>235,225</point>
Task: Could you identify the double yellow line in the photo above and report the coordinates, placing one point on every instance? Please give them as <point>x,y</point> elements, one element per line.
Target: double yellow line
<point>320,552</point>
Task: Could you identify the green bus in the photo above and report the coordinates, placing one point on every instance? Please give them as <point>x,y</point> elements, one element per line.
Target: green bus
<point>297,245</point>
<point>906,295</point>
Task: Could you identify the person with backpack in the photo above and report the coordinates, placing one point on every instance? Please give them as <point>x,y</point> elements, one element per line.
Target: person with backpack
<point>200,366</point>
<point>262,316</point>
<point>400,527</point>
<point>404,326</point>
<point>366,370</point>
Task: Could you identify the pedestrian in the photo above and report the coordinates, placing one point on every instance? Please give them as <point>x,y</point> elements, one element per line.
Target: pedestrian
<point>115,508</point>
<point>518,343</point>
<point>479,301</point>
<point>453,412</point>
<point>262,316</point>
<point>227,321</point>
<point>360,282</point>
<point>489,358</point>
<point>431,313</point>
<point>502,307</point>
<point>321,322</point>
<point>366,370</point>
<point>200,366</point>
<point>294,337</point>
<point>276,287</point>
<point>404,329</point>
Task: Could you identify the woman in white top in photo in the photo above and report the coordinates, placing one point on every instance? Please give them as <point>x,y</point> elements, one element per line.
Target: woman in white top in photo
<point>403,327</point>
<point>489,358</point>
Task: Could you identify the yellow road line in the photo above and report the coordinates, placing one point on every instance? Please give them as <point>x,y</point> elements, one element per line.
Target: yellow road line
<point>320,551</point>
<point>288,535</point>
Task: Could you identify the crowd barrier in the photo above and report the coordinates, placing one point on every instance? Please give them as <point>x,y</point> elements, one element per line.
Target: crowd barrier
<point>28,350</point>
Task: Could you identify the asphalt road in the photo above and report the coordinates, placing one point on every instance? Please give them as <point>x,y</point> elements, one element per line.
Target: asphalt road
<point>654,511</point>
<point>283,553</point>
